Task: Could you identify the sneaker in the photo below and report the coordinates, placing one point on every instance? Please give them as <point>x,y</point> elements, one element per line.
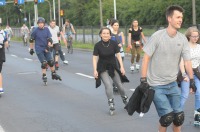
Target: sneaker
<point>132,68</point>
<point>1,91</point>
<point>137,66</point>
<point>65,62</point>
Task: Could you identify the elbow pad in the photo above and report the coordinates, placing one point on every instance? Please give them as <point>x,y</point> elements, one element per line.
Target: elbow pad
<point>50,40</point>
<point>31,40</point>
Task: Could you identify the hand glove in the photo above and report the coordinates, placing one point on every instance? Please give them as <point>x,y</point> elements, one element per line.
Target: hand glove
<point>31,52</point>
<point>192,85</point>
<point>143,84</point>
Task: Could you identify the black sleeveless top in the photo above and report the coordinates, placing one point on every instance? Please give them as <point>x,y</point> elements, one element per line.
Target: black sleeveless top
<point>135,35</point>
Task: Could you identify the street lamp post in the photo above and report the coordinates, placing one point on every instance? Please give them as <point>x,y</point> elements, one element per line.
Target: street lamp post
<point>193,13</point>
<point>54,10</point>
<point>59,13</point>
<point>115,14</point>
<point>50,14</point>
<point>101,17</point>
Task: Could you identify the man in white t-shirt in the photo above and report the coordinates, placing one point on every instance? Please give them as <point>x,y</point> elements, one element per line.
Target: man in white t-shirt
<point>55,32</point>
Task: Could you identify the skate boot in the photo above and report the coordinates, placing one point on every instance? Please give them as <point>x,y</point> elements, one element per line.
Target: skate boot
<point>137,67</point>
<point>125,100</point>
<point>197,118</point>
<point>65,62</point>
<point>56,66</point>
<point>44,78</point>
<point>1,91</point>
<point>111,105</point>
<point>55,76</point>
<point>115,89</point>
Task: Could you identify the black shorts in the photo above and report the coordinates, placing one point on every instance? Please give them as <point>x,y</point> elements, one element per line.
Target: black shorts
<point>1,64</point>
<point>56,47</point>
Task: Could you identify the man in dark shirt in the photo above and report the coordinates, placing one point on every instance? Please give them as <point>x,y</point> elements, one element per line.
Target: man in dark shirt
<point>43,41</point>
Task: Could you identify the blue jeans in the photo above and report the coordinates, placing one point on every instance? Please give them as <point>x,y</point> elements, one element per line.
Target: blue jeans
<point>44,56</point>
<point>167,98</point>
<point>185,90</point>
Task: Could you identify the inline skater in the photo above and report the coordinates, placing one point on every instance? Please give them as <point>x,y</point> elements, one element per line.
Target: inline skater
<point>105,67</point>
<point>117,36</point>
<point>9,31</point>
<point>42,37</point>
<point>134,38</point>
<point>160,66</point>
<point>55,32</point>
<point>192,35</point>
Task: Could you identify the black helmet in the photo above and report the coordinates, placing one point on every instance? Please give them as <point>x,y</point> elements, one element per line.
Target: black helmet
<point>41,20</point>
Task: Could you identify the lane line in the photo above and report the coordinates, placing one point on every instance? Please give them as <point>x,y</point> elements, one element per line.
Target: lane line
<point>1,129</point>
<point>84,75</point>
<point>13,55</point>
<point>28,59</point>
<point>25,73</point>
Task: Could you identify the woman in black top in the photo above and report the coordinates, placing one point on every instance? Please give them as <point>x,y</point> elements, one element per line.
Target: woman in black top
<point>134,40</point>
<point>105,67</point>
<point>2,58</point>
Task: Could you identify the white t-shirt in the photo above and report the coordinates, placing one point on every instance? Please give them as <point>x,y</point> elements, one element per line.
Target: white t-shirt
<point>54,32</point>
<point>165,54</point>
<point>195,56</point>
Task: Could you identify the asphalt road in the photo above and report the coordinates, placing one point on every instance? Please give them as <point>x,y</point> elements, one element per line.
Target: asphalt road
<point>70,105</point>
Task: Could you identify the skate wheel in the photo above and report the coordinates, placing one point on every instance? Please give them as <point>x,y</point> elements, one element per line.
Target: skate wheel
<point>45,83</point>
<point>111,112</point>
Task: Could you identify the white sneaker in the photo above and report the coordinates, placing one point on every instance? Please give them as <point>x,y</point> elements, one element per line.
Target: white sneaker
<point>132,68</point>
<point>137,66</point>
<point>65,62</point>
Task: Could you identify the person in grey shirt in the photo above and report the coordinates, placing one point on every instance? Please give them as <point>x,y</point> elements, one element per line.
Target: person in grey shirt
<point>160,67</point>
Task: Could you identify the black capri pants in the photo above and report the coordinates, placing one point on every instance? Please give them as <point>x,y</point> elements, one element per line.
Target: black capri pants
<point>1,64</point>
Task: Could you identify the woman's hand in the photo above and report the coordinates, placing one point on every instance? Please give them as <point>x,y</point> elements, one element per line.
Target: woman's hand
<point>96,74</point>
<point>130,46</point>
<point>120,45</point>
<point>122,71</point>
<point>186,79</point>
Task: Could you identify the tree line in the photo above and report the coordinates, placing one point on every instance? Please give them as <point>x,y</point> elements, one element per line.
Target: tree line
<point>86,12</point>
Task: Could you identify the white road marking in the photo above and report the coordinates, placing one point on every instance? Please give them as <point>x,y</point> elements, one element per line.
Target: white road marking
<point>28,59</point>
<point>1,129</point>
<point>132,90</point>
<point>81,74</point>
<point>13,55</point>
<point>25,73</point>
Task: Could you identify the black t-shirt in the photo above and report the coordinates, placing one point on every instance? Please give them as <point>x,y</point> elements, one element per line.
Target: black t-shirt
<point>106,51</point>
<point>135,35</point>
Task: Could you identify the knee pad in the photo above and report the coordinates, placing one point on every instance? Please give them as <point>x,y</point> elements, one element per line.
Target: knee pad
<point>51,63</point>
<point>167,119</point>
<point>44,65</point>
<point>57,53</point>
<point>178,118</point>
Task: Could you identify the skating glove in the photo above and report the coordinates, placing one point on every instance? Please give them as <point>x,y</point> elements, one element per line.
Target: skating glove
<point>143,84</point>
<point>31,51</point>
<point>192,85</point>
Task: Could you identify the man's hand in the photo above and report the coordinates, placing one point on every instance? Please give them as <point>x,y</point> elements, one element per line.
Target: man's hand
<point>192,85</point>
<point>143,84</point>
<point>31,51</point>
